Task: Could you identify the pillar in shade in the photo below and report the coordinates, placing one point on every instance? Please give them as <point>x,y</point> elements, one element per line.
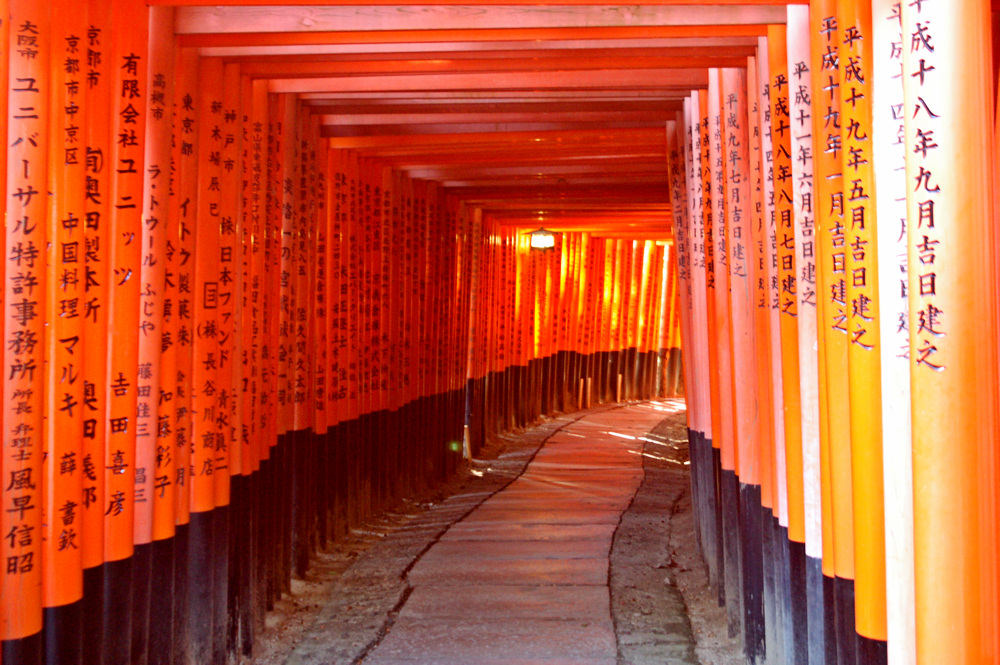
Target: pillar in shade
<point>856,57</point>
<point>719,309</point>
<point>786,274</point>
<point>183,210</point>
<point>702,148</point>
<point>678,201</point>
<point>889,153</point>
<point>948,83</point>
<point>779,488</point>
<point>762,312</point>
<point>699,327</point>
<point>227,457</point>
<point>155,518</point>
<point>206,292</point>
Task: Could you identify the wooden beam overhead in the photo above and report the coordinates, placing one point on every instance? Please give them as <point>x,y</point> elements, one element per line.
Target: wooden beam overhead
<point>331,3</point>
<point>648,79</point>
<point>278,18</point>
<point>439,35</point>
<point>335,69</point>
<point>469,47</point>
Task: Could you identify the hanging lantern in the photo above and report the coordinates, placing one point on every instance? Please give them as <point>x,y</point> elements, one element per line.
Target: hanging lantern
<point>542,239</point>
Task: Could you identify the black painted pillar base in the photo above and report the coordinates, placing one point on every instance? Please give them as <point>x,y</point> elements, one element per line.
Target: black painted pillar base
<point>800,602</point>
<point>730,493</point>
<point>118,612</point>
<point>752,563</point>
<point>26,651</point>
<point>772,641</point>
<point>93,614</point>
<point>201,591</point>
<point>142,562</point>
<point>816,613</point>
<point>871,652</point>
<point>63,629</point>
<point>830,619</point>
<point>161,606</point>
<point>783,590</point>
<point>846,637</point>
<point>719,549</point>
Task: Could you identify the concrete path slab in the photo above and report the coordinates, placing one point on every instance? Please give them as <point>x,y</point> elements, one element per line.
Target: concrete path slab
<point>523,577</point>
<point>530,549</point>
<point>472,641</point>
<point>569,603</point>
<point>540,515</point>
<point>461,572</point>
<point>497,531</point>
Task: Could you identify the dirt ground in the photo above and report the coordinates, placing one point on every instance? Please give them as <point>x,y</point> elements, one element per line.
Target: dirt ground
<point>288,625</point>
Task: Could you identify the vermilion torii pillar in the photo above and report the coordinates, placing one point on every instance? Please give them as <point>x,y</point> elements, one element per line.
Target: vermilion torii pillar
<point>953,295</point>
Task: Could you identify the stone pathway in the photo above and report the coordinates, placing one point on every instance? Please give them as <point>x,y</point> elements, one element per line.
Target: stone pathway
<point>525,576</point>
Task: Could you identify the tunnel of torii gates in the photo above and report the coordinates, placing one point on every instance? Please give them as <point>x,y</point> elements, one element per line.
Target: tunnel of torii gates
<point>267,270</point>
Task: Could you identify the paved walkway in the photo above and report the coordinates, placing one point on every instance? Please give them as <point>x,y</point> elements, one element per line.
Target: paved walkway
<point>524,577</point>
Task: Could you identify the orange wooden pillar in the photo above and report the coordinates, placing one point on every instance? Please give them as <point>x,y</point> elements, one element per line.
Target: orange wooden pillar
<point>126,160</point>
<point>155,481</point>
<point>206,355</point>
<point>711,541</point>
<point>795,601</point>
<point>776,541</point>
<point>953,298</point>
<point>677,170</point>
<point>761,179</point>
<point>63,535</point>
<point>856,61</point>
<point>742,273</point>
<point>720,312</point>
<point>889,158</point>
<point>832,274</point>
<point>97,173</point>
<point>800,96</point>
<point>28,93</point>
<point>176,360</point>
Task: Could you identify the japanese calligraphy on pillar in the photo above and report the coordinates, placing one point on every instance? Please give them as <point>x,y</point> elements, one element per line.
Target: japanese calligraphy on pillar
<point>930,316</point>
<point>859,211</point>
<point>255,416</point>
<point>154,453</point>
<point>781,156</point>
<point>800,106</point>
<point>179,308</point>
<point>96,147</point>
<point>64,353</point>
<point>743,296</point>
<point>321,295</point>
<point>226,136</point>
<point>23,324</point>
<point>856,56</point>
<point>206,289</point>
<point>889,152</point>
<point>832,273</point>
<point>130,24</point>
